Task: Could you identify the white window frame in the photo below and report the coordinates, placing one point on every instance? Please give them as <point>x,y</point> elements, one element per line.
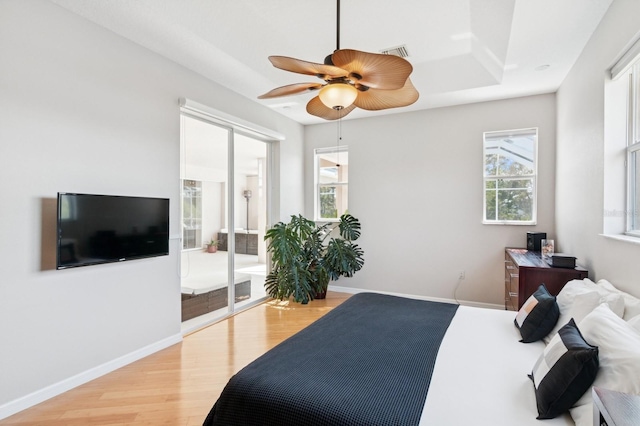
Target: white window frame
<point>318,185</point>
<point>533,176</point>
<point>633,150</point>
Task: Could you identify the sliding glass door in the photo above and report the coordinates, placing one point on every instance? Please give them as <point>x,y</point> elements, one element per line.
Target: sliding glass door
<point>250,198</point>
<point>224,179</point>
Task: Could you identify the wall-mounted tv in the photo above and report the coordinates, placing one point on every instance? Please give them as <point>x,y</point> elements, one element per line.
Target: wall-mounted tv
<point>95,229</point>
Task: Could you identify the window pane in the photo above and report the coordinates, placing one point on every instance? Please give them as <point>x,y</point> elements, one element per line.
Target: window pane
<point>328,202</point>
<point>191,214</point>
<point>515,204</point>
<point>636,105</point>
<point>633,158</point>
<point>490,164</point>
<point>333,167</point>
<point>511,166</point>
<point>329,174</point>
<point>510,153</point>
<point>515,183</point>
<point>332,180</point>
<point>635,195</point>
<point>333,201</point>
<point>490,209</point>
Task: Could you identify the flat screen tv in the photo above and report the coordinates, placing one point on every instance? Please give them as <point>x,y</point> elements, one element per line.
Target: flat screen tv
<point>95,229</point>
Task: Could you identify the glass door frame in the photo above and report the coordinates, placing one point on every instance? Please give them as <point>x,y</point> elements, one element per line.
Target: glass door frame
<point>235,126</point>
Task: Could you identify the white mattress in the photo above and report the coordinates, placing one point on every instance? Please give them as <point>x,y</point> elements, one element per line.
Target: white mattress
<point>480,376</point>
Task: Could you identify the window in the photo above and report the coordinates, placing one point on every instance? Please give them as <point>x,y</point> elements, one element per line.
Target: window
<point>510,169</point>
<point>332,182</point>
<point>191,214</point>
<point>633,153</point>
<point>621,207</point>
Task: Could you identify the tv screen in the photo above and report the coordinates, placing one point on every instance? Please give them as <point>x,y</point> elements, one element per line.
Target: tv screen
<point>94,229</point>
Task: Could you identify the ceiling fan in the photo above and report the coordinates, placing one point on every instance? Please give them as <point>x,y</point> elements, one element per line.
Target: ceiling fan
<point>370,81</point>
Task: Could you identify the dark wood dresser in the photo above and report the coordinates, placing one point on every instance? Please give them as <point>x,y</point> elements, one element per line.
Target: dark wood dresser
<point>525,270</point>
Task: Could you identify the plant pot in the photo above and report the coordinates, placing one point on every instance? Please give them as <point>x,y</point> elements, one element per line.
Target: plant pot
<point>212,249</point>
<point>321,295</point>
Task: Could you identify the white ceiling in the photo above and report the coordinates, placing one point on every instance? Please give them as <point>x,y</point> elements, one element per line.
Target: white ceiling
<point>462,51</point>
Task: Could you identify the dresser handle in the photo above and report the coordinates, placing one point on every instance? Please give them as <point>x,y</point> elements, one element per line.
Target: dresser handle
<point>513,294</point>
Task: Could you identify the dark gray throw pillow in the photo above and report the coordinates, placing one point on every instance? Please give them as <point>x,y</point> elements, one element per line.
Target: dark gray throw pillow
<point>538,315</point>
<point>564,372</point>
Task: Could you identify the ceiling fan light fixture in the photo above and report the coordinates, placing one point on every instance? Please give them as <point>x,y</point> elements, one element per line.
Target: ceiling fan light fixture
<point>353,79</point>
<point>338,95</point>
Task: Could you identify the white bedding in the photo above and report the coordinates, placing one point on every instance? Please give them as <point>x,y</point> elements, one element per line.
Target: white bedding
<point>480,376</point>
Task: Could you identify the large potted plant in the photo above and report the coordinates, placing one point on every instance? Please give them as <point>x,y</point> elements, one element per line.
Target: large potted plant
<point>305,257</point>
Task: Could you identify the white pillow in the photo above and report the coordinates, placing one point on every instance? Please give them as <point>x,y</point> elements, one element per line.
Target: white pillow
<point>631,303</point>
<point>619,354</point>
<point>575,287</point>
<point>614,300</point>
<point>635,323</point>
<point>579,297</point>
<point>569,291</point>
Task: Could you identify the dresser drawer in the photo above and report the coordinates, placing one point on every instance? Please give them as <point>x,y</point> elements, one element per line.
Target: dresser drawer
<point>525,271</point>
<point>511,275</point>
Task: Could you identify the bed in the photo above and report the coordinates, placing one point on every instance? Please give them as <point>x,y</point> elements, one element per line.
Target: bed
<point>386,360</point>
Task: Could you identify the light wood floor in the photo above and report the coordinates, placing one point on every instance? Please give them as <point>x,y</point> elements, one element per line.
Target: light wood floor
<point>179,385</point>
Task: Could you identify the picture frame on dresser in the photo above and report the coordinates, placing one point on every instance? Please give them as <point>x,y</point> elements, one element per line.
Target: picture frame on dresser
<point>525,270</point>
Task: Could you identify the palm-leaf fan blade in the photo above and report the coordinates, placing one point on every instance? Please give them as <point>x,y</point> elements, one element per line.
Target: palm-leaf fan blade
<point>291,89</point>
<point>378,71</point>
<point>375,99</point>
<point>317,108</point>
<point>304,67</point>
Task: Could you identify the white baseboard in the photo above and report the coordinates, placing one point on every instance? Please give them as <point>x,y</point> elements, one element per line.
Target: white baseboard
<point>27,401</point>
<point>352,290</point>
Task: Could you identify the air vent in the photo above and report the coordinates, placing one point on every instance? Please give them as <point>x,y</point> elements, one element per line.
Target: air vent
<point>398,51</point>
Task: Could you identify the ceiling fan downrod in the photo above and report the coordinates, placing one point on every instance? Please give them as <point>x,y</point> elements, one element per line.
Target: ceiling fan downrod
<point>327,60</point>
<point>338,26</point>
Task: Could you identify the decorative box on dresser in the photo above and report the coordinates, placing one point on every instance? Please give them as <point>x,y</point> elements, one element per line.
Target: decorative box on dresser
<point>525,270</point>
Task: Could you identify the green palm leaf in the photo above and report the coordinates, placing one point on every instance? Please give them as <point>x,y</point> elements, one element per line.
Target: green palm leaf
<point>349,227</point>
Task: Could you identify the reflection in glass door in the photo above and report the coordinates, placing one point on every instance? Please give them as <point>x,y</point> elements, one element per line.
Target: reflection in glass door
<point>224,175</point>
<point>250,214</point>
<point>191,214</point>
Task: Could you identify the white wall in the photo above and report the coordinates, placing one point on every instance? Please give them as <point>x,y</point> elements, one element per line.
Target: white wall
<point>580,196</point>
<point>415,182</point>
<point>84,110</point>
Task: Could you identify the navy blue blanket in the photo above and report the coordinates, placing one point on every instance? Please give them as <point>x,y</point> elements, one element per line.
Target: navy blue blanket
<point>367,362</point>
